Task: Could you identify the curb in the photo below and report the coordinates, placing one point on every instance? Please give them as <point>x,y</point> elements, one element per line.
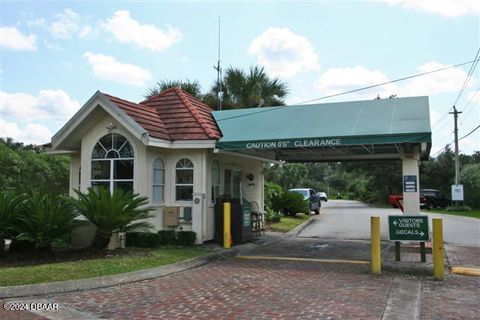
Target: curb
<point>295,231</point>
<point>30,290</point>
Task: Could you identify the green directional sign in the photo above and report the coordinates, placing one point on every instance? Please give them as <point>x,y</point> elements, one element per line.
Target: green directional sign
<point>408,228</point>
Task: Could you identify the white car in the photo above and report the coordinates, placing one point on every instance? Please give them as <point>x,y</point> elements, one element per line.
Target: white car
<point>323,196</point>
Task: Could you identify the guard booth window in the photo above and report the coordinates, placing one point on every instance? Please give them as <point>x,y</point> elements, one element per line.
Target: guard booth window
<point>232,182</point>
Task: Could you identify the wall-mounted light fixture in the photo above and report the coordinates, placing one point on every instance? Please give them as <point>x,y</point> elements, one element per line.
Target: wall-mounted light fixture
<point>110,126</point>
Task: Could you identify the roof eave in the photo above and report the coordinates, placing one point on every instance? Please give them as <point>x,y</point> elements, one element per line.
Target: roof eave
<point>98,99</point>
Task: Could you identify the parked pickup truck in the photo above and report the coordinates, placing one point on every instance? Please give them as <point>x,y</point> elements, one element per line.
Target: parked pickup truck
<point>429,199</point>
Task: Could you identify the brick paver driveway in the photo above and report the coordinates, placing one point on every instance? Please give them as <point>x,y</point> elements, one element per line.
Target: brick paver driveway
<point>274,289</point>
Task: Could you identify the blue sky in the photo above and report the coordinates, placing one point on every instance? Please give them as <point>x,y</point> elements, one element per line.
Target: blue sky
<point>56,54</point>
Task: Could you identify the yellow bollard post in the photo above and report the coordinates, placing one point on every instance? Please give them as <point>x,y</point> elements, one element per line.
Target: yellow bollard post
<point>376,260</point>
<point>437,249</point>
<point>227,239</point>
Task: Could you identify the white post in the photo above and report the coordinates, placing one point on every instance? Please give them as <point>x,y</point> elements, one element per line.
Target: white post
<point>411,181</point>
<point>197,215</point>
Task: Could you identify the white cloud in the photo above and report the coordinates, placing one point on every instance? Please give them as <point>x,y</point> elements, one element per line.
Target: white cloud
<point>445,81</point>
<point>85,31</point>
<point>283,53</point>
<point>444,8</point>
<point>66,25</point>
<point>336,80</point>
<point>108,68</point>
<point>434,117</point>
<point>48,104</point>
<point>146,36</point>
<point>11,38</point>
<point>32,133</point>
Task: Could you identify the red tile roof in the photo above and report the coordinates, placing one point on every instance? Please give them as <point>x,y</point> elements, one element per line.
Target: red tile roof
<point>172,115</point>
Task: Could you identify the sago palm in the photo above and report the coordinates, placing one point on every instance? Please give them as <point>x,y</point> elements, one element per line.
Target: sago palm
<point>10,206</point>
<point>118,212</point>
<point>46,220</point>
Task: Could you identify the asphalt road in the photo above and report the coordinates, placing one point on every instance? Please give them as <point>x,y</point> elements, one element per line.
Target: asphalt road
<point>350,220</point>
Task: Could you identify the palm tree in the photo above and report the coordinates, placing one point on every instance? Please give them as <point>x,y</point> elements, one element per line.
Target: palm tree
<point>118,212</point>
<point>252,90</point>
<point>192,87</point>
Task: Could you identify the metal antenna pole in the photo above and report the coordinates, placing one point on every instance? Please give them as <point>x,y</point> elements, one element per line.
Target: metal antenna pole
<point>219,72</point>
<point>457,162</point>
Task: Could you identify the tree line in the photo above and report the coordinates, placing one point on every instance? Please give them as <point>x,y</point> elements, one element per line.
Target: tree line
<point>374,181</point>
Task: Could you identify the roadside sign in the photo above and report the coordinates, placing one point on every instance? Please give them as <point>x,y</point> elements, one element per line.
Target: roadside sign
<point>409,183</point>
<point>408,228</point>
<point>457,192</point>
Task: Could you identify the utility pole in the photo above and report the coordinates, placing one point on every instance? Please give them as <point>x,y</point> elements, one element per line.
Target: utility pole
<point>219,72</point>
<point>457,162</point>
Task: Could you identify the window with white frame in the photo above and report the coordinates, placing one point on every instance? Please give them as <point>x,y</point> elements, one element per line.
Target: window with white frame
<point>158,181</point>
<point>184,180</point>
<point>112,163</point>
<point>215,180</point>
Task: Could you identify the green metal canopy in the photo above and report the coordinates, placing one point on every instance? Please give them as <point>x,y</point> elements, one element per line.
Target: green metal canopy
<point>355,130</point>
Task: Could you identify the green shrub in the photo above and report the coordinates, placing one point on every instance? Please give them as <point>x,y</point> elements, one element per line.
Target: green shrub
<point>272,216</point>
<point>470,178</point>
<point>10,205</point>
<point>271,190</point>
<point>186,238</point>
<point>290,203</point>
<point>459,208</point>
<point>46,220</point>
<point>143,239</point>
<point>166,237</point>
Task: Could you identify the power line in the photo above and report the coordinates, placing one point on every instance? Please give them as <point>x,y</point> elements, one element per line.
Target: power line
<point>469,75</point>
<point>470,103</point>
<point>351,91</point>
<point>469,133</point>
<point>392,81</point>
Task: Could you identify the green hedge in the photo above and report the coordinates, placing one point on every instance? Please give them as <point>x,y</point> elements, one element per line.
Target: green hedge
<point>143,239</point>
<point>167,237</point>
<point>163,237</point>
<point>186,238</point>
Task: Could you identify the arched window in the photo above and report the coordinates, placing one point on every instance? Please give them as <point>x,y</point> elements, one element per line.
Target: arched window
<point>184,180</point>
<point>112,163</point>
<point>158,183</point>
<point>215,180</point>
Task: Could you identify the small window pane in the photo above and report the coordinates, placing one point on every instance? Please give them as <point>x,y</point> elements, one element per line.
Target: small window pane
<point>123,169</point>
<point>158,176</point>
<point>124,185</point>
<point>184,163</point>
<point>187,213</point>
<point>126,151</point>
<point>184,193</point>
<point>98,152</point>
<point>118,141</point>
<point>96,185</point>
<point>106,141</point>
<point>100,170</point>
<point>158,193</point>
<point>112,154</point>
<point>184,177</point>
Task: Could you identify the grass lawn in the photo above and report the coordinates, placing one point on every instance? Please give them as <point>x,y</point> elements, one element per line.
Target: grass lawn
<point>288,223</point>
<point>50,272</point>
<point>471,214</point>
